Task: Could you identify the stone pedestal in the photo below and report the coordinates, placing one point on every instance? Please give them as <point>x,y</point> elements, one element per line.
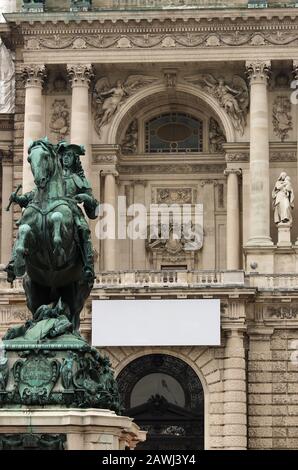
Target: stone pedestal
<point>57,392</point>
<point>67,428</point>
<point>284,235</point>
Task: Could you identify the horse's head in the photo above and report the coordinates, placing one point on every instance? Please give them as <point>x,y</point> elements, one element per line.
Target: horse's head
<point>43,160</point>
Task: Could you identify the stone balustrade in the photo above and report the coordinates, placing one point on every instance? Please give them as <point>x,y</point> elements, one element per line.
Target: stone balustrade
<point>190,279</point>
<point>274,281</point>
<point>169,278</point>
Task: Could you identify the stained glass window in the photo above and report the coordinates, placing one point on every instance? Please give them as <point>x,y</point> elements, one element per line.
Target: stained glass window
<point>173,133</point>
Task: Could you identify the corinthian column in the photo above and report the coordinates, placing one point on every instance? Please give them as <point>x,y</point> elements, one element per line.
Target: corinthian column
<point>6,228</point>
<point>34,76</point>
<point>258,73</point>
<point>80,76</point>
<point>233,219</point>
<point>110,244</point>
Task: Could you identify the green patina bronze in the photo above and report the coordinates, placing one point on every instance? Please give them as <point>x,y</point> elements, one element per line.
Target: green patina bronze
<point>53,253</point>
<point>53,248</point>
<point>32,441</point>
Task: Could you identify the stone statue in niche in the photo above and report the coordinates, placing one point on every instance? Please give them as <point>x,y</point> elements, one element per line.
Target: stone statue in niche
<point>283,200</point>
<point>59,123</point>
<point>234,97</point>
<point>7,80</point>
<point>107,99</point>
<point>216,137</point>
<point>130,141</point>
<point>282,118</point>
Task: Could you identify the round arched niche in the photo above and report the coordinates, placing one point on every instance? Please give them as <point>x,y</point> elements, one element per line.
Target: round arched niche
<point>165,397</point>
<point>162,364</point>
<point>184,95</point>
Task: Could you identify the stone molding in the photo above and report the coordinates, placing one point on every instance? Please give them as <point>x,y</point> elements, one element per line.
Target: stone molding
<point>237,157</point>
<point>172,169</point>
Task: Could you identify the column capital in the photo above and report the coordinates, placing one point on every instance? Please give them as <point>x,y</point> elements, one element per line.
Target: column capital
<point>80,74</point>
<point>230,171</point>
<point>109,171</point>
<point>33,75</point>
<point>258,71</point>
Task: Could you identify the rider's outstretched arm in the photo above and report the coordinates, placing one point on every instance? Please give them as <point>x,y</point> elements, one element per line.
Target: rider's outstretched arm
<point>23,200</point>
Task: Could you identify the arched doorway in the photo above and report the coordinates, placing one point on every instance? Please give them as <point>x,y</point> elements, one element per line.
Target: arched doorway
<point>165,397</point>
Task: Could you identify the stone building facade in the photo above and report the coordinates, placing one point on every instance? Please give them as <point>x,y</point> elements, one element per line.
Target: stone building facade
<point>200,107</point>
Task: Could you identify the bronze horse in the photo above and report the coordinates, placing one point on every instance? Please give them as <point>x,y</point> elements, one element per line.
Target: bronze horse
<point>47,249</point>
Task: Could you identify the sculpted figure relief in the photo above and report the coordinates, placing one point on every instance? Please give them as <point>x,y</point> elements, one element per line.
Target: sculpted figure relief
<point>283,199</point>
<point>60,118</point>
<point>107,99</point>
<point>234,98</point>
<point>130,141</point>
<point>282,117</point>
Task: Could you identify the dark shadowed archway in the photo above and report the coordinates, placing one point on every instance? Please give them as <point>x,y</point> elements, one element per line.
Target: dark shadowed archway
<point>165,397</point>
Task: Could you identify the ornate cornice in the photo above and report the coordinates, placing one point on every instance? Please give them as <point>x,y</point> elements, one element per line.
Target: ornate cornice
<point>159,29</point>
<point>229,15</point>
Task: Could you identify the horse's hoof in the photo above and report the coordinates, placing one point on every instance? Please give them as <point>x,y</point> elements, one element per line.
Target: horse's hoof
<point>20,270</point>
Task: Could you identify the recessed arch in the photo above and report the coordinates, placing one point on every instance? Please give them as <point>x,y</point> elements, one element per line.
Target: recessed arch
<point>168,422</point>
<point>196,364</point>
<point>189,90</point>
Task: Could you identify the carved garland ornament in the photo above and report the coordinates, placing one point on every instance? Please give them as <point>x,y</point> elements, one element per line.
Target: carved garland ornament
<point>178,40</point>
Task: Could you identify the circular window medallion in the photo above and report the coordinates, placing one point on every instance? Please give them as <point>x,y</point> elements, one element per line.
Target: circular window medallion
<point>174,132</point>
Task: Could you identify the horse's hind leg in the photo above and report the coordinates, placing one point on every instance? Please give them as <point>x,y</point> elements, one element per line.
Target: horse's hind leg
<point>75,295</point>
<point>56,219</point>
<point>36,294</point>
<point>20,250</point>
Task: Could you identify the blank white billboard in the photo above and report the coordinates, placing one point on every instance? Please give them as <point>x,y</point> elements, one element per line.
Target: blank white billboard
<point>156,322</point>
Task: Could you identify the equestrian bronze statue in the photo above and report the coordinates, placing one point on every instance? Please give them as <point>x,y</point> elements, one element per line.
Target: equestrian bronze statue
<point>46,361</point>
<point>53,249</point>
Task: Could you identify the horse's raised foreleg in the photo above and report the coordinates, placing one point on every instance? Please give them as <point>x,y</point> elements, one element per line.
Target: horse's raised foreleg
<point>20,249</point>
<point>56,219</point>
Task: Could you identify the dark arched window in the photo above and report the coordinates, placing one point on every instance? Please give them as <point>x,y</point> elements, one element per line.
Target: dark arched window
<point>174,133</point>
<point>165,397</point>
